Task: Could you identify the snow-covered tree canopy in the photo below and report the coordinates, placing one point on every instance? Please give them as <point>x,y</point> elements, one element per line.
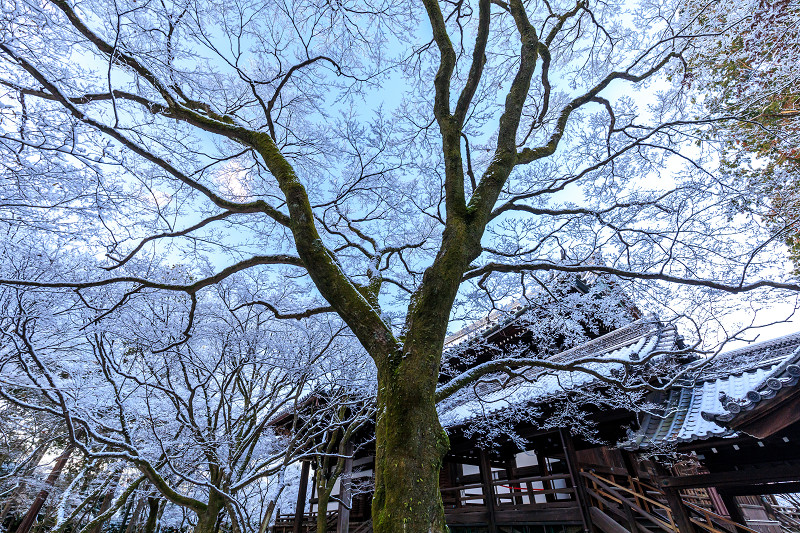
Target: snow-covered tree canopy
<point>749,78</point>
<point>399,164</point>
<point>195,422</point>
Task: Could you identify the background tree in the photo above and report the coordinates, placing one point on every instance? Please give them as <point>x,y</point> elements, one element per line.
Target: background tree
<point>194,421</point>
<point>751,78</point>
<point>398,164</point>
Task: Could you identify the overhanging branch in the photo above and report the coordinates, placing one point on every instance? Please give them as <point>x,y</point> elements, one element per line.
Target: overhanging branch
<point>630,274</point>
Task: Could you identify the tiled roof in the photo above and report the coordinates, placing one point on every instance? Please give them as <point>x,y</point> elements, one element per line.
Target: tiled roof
<point>496,320</point>
<point>754,354</point>
<point>783,375</point>
<point>735,381</point>
<point>625,345</point>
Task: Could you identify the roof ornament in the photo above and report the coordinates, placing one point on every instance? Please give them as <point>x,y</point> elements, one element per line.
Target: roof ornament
<point>774,384</point>
<point>754,396</point>
<point>723,398</point>
<point>733,407</point>
<point>708,417</point>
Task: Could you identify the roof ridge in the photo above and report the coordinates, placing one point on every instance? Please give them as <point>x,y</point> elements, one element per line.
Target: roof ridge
<point>763,344</point>
<point>619,332</point>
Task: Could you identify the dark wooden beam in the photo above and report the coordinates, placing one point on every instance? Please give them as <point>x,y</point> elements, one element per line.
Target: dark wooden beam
<point>679,512</point>
<point>785,487</point>
<point>511,474</point>
<point>300,509</point>
<point>734,478</point>
<point>605,523</point>
<point>488,489</point>
<point>544,471</point>
<point>478,516</point>
<point>732,506</point>
<point>577,479</point>
<point>345,491</point>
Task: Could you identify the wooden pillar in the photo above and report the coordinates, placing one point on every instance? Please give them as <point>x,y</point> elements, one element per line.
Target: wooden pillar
<point>345,491</point>
<point>544,472</point>
<point>732,506</point>
<point>577,479</point>
<point>511,474</point>
<point>33,512</point>
<point>488,489</point>
<point>456,473</point>
<point>301,497</point>
<point>679,512</point>
<point>630,463</point>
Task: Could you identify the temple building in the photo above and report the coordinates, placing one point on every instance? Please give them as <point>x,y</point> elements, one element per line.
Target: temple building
<point>710,446</point>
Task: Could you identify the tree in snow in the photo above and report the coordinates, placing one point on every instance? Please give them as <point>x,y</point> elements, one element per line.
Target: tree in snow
<point>751,79</point>
<point>191,424</point>
<point>398,164</point>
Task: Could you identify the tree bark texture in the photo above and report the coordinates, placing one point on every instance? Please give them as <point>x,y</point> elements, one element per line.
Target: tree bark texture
<point>207,520</point>
<point>410,446</point>
<point>152,515</point>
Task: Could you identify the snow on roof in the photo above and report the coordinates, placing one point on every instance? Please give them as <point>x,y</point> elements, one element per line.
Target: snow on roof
<point>735,381</point>
<point>497,318</point>
<point>630,343</point>
<point>745,358</point>
<point>781,375</point>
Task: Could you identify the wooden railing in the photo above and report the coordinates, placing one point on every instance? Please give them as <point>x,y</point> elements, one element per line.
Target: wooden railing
<point>714,523</point>
<point>625,504</point>
<point>788,516</point>
<point>284,523</point>
<point>517,492</point>
<point>639,500</point>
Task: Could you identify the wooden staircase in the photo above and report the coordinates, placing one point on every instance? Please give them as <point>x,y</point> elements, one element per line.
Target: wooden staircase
<point>637,507</point>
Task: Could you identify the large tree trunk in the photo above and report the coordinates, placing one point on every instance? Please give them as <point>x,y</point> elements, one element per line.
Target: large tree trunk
<point>153,505</point>
<point>207,521</point>
<point>410,441</point>
<point>410,446</point>
<point>322,511</point>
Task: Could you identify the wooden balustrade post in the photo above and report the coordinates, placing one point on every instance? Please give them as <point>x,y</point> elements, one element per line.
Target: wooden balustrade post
<point>511,473</point>
<point>577,479</point>
<point>345,491</point>
<point>456,475</point>
<point>547,484</point>
<point>732,506</point>
<point>680,514</point>
<point>488,489</point>
<point>596,489</point>
<point>301,497</point>
<point>629,516</point>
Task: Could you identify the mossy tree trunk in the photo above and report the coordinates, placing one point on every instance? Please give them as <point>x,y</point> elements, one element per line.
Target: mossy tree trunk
<point>410,446</point>
<point>153,507</point>
<point>322,511</point>
<point>206,521</point>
